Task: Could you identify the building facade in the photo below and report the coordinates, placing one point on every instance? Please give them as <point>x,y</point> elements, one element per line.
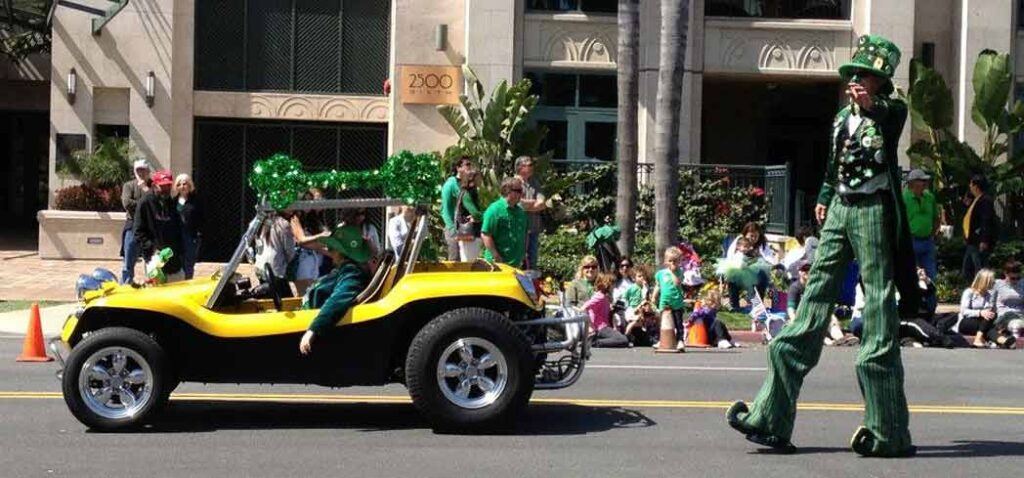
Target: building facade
<point>209,87</point>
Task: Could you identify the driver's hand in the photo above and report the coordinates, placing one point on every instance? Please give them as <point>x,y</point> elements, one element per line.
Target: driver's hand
<point>306,344</point>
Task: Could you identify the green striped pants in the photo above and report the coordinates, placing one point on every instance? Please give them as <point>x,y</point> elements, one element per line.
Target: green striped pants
<point>863,230</point>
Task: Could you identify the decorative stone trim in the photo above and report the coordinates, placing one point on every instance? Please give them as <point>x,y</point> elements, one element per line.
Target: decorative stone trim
<point>570,41</point>
<point>290,106</point>
<point>796,47</point>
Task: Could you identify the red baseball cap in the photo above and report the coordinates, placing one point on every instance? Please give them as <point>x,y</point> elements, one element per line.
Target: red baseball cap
<point>163,177</point>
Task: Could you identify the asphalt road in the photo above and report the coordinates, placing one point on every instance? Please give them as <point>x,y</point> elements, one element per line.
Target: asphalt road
<point>633,414</point>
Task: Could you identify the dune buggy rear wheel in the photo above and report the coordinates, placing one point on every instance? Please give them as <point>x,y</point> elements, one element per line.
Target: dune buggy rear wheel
<point>469,369</point>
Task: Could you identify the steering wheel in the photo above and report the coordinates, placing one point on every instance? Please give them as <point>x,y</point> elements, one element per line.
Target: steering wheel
<point>275,293</point>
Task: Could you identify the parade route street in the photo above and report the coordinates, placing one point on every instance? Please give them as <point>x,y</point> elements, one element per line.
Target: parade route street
<point>632,414</point>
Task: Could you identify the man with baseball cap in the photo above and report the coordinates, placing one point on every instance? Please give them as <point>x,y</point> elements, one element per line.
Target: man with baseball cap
<point>923,218</point>
<point>158,225</point>
<point>131,194</point>
<point>335,293</point>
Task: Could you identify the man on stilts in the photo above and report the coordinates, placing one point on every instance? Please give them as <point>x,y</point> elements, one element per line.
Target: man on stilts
<point>864,219</point>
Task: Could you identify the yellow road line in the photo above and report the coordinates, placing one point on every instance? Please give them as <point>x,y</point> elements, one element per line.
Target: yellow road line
<point>402,399</point>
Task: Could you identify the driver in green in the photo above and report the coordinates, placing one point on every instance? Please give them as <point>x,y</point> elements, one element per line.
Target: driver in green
<point>336,292</point>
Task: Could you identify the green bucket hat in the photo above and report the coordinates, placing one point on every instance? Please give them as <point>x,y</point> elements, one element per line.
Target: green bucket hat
<point>348,240</point>
<point>874,54</point>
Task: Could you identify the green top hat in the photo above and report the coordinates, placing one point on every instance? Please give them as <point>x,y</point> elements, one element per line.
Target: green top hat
<point>874,54</point>
<point>348,240</point>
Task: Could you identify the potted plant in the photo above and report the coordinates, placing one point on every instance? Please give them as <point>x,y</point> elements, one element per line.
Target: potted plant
<point>88,218</point>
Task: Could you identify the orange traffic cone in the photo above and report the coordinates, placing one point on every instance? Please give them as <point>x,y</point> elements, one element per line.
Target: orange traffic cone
<point>697,336</point>
<point>667,338</point>
<point>33,349</point>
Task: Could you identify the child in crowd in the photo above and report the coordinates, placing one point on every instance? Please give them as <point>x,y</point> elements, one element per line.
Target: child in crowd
<point>744,269</point>
<point>690,264</point>
<point>599,308</point>
<point>707,313</point>
<point>641,320</point>
<point>669,292</point>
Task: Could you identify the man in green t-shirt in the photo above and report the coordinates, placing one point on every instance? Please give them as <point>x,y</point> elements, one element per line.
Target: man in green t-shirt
<point>463,168</point>
<point>923,217</point>
<point>505,225</point>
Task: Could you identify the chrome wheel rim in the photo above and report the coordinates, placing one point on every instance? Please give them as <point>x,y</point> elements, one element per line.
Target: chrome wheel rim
<point>116,382</point>
<point>472,373</point>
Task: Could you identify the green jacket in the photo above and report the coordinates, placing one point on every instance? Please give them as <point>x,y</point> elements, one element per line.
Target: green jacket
<point>334,294</point>
<point>890,115</point>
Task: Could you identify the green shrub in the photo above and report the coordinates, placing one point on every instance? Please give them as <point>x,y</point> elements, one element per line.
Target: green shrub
<point>1005,251</point>
<point>949,253</point>
<point>949,285</point>
<point>107,166</point>
<point>86,198</point>
<point>560,254</point>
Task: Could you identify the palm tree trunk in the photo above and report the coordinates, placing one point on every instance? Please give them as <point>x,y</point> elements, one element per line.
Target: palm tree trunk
<point>629,97</point>
<point>674,22</point>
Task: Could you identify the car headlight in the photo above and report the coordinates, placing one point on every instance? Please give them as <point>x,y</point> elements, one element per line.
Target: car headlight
<point>103,275</point>
<point>86,284</point>
<point>527,284</point>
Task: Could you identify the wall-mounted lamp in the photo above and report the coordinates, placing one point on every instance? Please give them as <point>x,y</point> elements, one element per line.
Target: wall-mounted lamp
<point>150,89</point>
<point>440,36</point>
<point>72,86</point>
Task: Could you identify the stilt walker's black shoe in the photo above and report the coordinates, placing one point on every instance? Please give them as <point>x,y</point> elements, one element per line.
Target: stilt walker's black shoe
<point>753,435</point>
<point>863,442</point>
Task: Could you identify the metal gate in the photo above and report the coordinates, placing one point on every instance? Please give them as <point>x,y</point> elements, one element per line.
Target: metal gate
<point>225,151</point>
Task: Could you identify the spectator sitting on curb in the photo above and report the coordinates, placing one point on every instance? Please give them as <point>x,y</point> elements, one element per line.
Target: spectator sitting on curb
<point>1009,294</point>
<point>598,307</point>
<point>707,313</point>
<point>641,321</point>
<point>580,290</point>
<point>978,313</point>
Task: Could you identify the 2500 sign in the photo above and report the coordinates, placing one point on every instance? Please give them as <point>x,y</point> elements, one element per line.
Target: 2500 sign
<point>436,85</point>
<point>430,80</point>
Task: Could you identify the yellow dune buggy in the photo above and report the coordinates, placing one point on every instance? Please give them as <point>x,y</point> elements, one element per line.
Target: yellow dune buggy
<point>470,341</point>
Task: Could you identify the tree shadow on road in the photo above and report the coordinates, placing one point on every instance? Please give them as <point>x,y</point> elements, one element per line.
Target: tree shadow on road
<point>540,419</point>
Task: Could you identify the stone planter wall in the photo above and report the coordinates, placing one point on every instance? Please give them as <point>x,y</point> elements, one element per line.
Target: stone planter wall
<point>80,234</point>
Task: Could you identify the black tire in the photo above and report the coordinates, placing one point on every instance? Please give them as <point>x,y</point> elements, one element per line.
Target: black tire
<point>160,382</point>
<point>425,352</point>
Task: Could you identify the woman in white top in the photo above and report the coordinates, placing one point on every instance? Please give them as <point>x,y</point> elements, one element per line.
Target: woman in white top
<point>978,312</point>
<point>753,232</point>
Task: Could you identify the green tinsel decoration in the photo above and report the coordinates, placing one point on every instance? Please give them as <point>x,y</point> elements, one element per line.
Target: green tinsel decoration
<point>411,178</point>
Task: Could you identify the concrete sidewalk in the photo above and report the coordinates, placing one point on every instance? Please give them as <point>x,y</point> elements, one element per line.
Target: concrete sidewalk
<point>52,319</point>
<point>24,276</point>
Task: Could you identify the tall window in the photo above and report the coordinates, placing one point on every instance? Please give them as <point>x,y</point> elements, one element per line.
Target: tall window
<point>585,6</point>
<point>317,46</point>
<point>810,9</point>
<point>579,111</point>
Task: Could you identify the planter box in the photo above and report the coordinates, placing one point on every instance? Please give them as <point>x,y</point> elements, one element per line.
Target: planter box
<point>80,234</point>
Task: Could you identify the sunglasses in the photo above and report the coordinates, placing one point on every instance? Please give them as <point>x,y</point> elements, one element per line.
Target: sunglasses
<point>625,266</point>
<point>589,267</point>
<point>517,190</point>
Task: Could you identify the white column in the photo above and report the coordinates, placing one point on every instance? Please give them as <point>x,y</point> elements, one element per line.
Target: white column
<point>978,25</point>
<point>491,40</point>
<point>895,21</point>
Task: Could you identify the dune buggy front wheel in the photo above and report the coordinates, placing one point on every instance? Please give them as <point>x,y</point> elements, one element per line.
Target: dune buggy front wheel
<point>470,368</point>
<point>115,378</point>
